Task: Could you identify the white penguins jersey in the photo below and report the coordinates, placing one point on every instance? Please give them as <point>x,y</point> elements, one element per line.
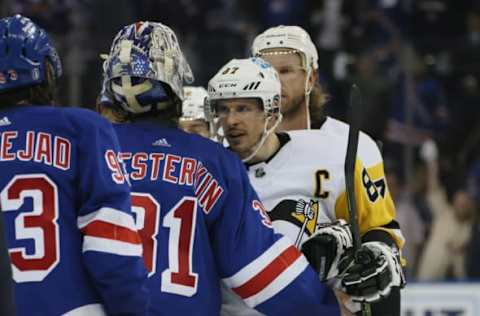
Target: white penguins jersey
<point>306,177</point>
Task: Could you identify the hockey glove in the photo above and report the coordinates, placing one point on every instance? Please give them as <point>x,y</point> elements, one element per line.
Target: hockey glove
<point>373,273</point>
<point>327,246</point>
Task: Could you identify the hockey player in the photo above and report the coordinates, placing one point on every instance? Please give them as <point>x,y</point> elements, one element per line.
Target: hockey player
<point>194,119</point>
<point>201,222</point>
<point>72,240</point>
<point>299,177</point>
<point>292,53</point>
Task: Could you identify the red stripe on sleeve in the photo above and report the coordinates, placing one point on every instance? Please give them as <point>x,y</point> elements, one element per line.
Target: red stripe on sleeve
<point>106,230</point>
<point>268,274</point>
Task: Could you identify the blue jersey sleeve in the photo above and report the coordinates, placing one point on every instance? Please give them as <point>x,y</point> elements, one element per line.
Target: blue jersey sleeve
<point>112,248</point>
<point>7,306</point>
<point>263,268</point>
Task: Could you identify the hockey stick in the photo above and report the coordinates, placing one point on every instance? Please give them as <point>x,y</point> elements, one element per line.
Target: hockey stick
<point>305,209</point>
<point>355,112</point>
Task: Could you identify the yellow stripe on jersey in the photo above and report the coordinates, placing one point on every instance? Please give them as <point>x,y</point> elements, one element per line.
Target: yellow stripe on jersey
<point>374,203</point>
<point>376,172</point>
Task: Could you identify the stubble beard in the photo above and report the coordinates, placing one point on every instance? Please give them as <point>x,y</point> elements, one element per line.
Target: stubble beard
<point>294,107</point>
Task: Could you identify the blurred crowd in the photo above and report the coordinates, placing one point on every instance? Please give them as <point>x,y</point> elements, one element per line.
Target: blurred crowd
<point>417,63</point>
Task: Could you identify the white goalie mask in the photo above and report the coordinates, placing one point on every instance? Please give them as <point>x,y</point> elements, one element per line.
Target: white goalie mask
<point>248,78</point>
<point>193,106</point>
<point>145,68</point>
<point>289,37</point>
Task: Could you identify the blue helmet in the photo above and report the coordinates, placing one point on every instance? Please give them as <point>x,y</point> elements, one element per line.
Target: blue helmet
<point>145,68</point>
<point>24,49</point>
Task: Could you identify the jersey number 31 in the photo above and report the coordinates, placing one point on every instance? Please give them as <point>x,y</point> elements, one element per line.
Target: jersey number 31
<point>178,278</point>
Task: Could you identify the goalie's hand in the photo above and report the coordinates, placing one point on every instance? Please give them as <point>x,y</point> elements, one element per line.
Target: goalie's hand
<point>372,274</point>
<point>327,246</point>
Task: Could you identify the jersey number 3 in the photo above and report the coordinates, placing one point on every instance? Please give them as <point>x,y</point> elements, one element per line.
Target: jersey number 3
<point>178,278</point>
<point>38,224</point>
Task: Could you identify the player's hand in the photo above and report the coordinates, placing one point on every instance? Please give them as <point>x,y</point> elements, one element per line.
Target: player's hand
<point>372,274</point>
<point>327,246</point>
<point>429,151</point>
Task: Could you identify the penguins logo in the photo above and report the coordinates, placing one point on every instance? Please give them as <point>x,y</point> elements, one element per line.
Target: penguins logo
<point>301,213</point>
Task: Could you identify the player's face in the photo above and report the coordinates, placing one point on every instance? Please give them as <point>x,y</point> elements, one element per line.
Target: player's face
<point>293,76</point>
<point>463,205</point>
<point>243,123</point>
<point>198,126</point>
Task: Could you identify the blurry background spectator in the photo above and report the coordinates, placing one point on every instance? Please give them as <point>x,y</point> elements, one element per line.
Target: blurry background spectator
<point>413,227</point>
<point>472,268</point>
<point>446,249</point>
<point>376,93</point>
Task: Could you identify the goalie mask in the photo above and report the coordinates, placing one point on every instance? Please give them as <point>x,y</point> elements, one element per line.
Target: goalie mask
<point>248,78</point>
<point>145,69</point>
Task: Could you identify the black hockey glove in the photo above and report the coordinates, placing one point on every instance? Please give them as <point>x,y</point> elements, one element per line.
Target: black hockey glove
<point>373,273</point>
<point>326,247</point>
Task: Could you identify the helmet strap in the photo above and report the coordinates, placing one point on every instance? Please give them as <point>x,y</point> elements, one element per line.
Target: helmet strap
<point>308,91</point>
<point>265,133</point>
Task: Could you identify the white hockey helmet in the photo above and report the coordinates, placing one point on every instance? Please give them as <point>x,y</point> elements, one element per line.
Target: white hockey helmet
<point>289,37</point>
<point>247,78</point>
<point>144,62</point>
<point>193,107</point>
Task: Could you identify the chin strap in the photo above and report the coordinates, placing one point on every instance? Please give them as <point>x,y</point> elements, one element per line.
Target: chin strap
<point>265,134</point>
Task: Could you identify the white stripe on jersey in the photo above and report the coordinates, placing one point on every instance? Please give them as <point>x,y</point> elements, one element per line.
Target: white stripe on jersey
<point>108,215</point>
<point>115,247</point>
<point>90,310</point>
<point>282,281</point>
<point>111,231</point>
<point>257,265</point>
<point>250,282</point>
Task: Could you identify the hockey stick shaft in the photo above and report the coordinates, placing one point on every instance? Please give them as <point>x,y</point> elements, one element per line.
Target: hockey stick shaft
<point>298,240</point>
<point>350,160</point>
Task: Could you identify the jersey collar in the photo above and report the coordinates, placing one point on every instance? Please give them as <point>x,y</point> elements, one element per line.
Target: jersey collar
<point>283,139</point>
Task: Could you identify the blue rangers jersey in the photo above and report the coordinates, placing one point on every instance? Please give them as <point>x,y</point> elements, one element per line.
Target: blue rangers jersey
<point>201,224</point>
<point>72,239</point>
